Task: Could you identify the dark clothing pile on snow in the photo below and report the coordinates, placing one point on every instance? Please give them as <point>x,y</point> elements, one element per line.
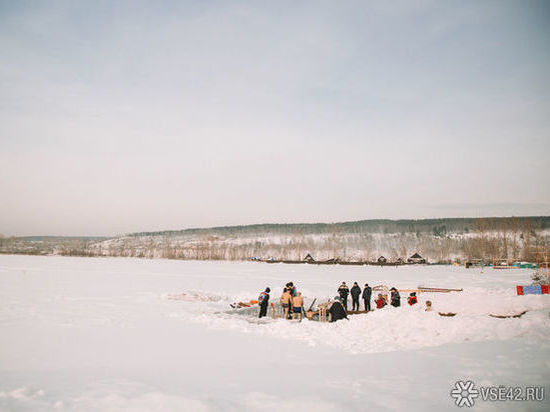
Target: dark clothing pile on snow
<point>337,312</point>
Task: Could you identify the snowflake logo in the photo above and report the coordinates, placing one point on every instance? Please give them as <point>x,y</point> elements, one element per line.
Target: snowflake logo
<point>465,393</point>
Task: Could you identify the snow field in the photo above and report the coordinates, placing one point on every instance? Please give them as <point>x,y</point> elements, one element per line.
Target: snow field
<point>101,334</point>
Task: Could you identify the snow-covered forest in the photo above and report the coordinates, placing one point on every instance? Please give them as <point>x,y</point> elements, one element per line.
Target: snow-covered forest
<point>438,240</point>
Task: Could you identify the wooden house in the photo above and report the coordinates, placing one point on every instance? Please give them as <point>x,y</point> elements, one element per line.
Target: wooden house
<point>382,259</point>
<point>416,258</point>
<point>309,258</point>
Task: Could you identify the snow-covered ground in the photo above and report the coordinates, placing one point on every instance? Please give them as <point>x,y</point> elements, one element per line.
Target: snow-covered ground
<point>93,334</point>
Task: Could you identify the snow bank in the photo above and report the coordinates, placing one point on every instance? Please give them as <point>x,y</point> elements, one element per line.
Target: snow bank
<point>404,328</point>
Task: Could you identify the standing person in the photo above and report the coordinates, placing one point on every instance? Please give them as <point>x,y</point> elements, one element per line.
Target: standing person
<point>292,289</point>
<point>263,301</point>
<point>367,292</point>
<point>286,300</point>
<point>297,305</point>
<point>337,310</point>
<point>395,298</point>
<point>412,299</point>
<point>355,293</point>
<point>343,291</point>
<point>428,306</point>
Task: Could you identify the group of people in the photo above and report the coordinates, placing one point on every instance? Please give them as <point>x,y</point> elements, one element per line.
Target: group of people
<point>395,299</point>
<point>355,292</point>
<point>293,302</point>
<point>380,301</point>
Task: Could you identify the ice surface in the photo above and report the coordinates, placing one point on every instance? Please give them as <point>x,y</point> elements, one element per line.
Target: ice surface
<point>92,334</point>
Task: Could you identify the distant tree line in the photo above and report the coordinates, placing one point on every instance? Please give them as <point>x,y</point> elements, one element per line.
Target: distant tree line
<point>439,226</point>
<point>439,240</point>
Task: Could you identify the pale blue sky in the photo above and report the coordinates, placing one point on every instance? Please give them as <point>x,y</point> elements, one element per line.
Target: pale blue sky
<point>167,115</point>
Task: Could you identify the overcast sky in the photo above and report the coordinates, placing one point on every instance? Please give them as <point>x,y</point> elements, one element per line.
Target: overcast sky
<point>118,117</point>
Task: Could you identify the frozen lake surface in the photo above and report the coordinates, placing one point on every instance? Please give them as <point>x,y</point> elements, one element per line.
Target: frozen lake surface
<point>92,334</point>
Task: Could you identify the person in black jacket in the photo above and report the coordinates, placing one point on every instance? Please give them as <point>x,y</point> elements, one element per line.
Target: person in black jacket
<point>355,293</point>
<point>337,310</point>
<point>343,291</point>
<point>263,301</point>
<point>367,292</point>
<point>395,297</point>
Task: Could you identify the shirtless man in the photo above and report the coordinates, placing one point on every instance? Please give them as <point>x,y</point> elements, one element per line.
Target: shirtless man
<point>297,304</point>
<point>286,301</point>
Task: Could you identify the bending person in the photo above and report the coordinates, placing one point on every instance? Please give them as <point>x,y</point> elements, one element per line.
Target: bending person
<point>337,310</point>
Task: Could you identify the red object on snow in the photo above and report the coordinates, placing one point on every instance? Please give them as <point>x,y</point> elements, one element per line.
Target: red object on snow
<point>533,290</point>
<point>520,290</point>
<point>380,303</point>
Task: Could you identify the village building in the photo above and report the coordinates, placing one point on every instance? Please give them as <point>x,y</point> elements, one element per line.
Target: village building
<point>416,258</point>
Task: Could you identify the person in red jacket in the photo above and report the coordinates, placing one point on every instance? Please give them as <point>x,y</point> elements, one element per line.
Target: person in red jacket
<point>380,302</point>
<point>412,299</point>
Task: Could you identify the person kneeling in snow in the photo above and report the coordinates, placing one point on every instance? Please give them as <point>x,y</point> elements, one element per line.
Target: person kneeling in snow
<point>395,298</point>
<point>428,306</point>
<point>412,299</point>
<point>380,302</point>
<point>337,310</point>
<point>263,301</point>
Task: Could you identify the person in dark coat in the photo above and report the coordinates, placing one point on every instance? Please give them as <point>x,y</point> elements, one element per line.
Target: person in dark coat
<point>355,293</point>
<point>263,301</point>
<point>395,298</point>
<point>367,292</point>
<point>343,291</point>
<point>337,310</point>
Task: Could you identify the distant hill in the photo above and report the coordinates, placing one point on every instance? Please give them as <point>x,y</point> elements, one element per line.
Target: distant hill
<point>438,240</point>
<point>442,225</point>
